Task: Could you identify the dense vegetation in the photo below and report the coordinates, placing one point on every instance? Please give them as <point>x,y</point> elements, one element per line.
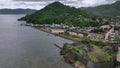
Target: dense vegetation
<point>105,10</point>
<point>58,13</point>
<point>96,51</point>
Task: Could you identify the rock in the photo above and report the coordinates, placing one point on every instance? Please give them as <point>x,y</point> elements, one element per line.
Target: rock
<point>68,58</point>
<point>78,64</point>
<point>62,53</point>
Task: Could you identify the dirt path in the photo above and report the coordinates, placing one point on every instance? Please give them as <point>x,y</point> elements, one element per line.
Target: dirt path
<point>118,55</point>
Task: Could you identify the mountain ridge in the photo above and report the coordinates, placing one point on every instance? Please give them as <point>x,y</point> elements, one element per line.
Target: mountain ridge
<point>17,11</point>
<point>105,10</point>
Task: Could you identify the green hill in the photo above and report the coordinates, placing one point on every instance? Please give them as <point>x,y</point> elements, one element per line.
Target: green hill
<point>56,13</point>
<point>105,10</point>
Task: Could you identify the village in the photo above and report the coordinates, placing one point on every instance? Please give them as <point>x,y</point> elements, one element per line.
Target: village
<point>107,33</point>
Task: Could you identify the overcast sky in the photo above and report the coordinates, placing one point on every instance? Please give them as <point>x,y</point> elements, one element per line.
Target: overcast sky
<point>38,4</point>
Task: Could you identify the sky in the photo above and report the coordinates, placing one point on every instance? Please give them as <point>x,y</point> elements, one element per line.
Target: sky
<point>38,4</point>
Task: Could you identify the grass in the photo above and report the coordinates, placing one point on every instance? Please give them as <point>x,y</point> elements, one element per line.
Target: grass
<point>96,51</point>
<point>71,37</point>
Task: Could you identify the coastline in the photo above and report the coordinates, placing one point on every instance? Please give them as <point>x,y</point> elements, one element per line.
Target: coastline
<point>55,34</point>
<point>66,57</point>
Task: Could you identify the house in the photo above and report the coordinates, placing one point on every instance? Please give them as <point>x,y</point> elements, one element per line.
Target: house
<point>76,33</point>
<point>106,26</point>
<point>93,36</point>
<point>57,31</point>
<point>59,26</point>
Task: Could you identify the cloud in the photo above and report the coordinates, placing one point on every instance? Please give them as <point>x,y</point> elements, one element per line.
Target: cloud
<point>38,4</point>
<point>89,3</point>
<point>21,4</point>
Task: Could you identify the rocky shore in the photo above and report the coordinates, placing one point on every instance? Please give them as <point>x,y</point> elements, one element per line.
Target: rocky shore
<point>69,59</point>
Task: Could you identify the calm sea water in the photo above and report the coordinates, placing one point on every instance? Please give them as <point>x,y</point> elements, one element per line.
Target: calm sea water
<point>26,47</point>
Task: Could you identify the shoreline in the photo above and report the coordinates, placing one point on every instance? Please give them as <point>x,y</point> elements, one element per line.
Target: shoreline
<point>65,57</point>
<point>68,58</point>
<point>55,34</point>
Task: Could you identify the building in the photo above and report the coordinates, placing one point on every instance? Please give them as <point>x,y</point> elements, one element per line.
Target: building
<point>57,31</point>
<point>106,26</point>
<point>77,33</point>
